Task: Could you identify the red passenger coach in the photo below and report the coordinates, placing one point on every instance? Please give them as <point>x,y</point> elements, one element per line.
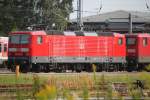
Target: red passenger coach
<point>3,51</point>
<point>61,51</point>
<point>138,54</point>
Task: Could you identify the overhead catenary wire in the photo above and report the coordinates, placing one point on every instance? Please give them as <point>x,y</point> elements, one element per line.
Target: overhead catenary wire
<point>86,11</point>
<point>147,5</point>
<point>92,11</point>
<point>101,6</point>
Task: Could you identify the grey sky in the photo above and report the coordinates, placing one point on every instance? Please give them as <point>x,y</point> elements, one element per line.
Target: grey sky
<point>92,6</point>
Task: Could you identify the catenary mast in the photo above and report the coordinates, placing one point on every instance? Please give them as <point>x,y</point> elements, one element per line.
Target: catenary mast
<point>79,15</point>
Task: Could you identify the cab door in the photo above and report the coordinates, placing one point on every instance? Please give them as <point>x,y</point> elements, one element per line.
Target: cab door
<point>132,47</point>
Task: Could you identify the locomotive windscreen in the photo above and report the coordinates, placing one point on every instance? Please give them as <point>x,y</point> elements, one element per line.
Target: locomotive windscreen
<point>131,41</point>
<point>19,39</point>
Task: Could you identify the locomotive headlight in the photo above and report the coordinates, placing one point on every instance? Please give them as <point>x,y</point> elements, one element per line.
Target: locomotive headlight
<point>24,49</point>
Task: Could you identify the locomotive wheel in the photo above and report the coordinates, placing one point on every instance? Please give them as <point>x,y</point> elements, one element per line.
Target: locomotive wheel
<point>99,69</point>
<point>47,69</point>
<point>88,68</point>
<point>58,70</point>
<point>24,68</point>
<point>36,68</point>
<point>129,68</point>
<point>79,68</point>
<point>13,68</point>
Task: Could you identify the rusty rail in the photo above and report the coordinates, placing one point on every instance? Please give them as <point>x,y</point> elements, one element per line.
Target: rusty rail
<point>11,92</point>
<point>15,87</point>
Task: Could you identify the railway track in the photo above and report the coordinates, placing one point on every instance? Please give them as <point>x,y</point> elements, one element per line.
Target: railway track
<point>5,71</point>
<point>8,72</point>
<point>13,91</point>
<point>15,87</point>
<point>9,92</point>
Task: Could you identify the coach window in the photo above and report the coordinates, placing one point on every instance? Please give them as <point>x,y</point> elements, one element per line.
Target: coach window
<point>0,47</point>
<point>39,40</point>
<point>120,41</point>
<point>5,47</point>
<point>145,42</point>
<point>131,41</point>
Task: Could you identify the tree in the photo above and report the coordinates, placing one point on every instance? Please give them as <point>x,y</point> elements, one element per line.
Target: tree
<point>55,12</point>
<point>23,13</point>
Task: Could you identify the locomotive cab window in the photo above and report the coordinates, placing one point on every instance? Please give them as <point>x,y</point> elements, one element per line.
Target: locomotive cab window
<point>131,41</point>
<point>19,39</point>
<point>145,41</point>
<point>24,39</point>
<point>39,40</point>
<point>120,41</point>
<point>15,39</point>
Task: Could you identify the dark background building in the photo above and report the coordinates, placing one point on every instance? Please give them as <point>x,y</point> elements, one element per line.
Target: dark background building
<point>117,21</point>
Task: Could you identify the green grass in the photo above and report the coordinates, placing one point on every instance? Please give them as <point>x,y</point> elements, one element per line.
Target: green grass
<point>22,79</point>
<point>11,79</point>
<point>28,78</point>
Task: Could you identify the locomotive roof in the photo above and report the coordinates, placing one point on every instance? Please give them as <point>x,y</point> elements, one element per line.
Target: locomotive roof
<point>139,35</point>
<point>68,33</point>
<point>80,33</point>
<point>29,32</point>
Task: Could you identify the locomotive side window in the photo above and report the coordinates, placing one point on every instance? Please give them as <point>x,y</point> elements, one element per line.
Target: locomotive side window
<point>39,40</point>
<point>120,41</point>
<point>131,41</point>
<point>145,42</point>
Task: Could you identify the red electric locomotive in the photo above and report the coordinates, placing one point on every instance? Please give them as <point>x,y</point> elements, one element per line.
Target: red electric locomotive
<point>61,51</point>
<point>138,54</point>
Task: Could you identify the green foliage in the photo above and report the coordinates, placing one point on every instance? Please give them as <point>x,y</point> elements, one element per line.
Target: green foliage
<point>19,95</point>
<point>147,68</point>
<point>14,27</point>
<point>94,72</point>
<point>36,84</point>
<point>109,93</point>
<point>67,95</point>
<point>145,77</point>
<point>23,13</point>
<point>47,93</point>
<point>135,94</point>
<point>85,94</point>
<point>56,12</point>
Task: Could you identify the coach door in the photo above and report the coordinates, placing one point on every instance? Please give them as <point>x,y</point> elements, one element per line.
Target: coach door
<point>4,53</point>
<point>1,49</point>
